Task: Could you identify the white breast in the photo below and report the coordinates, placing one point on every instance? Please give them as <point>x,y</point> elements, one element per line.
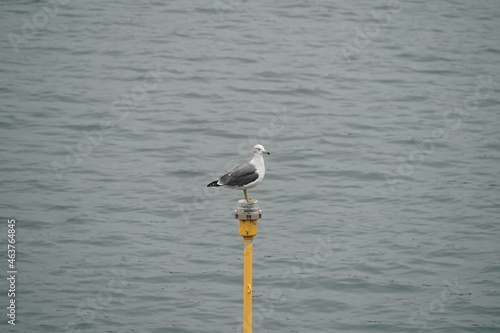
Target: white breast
<point>258,161</point>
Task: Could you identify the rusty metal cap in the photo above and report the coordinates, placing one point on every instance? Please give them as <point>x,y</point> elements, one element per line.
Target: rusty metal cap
<point>247,210</point>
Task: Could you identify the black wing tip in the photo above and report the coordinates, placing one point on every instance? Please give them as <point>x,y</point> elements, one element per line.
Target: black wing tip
<point>212,184</point>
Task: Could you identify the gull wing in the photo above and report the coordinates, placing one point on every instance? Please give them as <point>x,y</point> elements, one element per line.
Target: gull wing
<point>240,176</point>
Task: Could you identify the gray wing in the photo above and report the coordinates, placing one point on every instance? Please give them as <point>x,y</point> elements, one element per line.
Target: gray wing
<point>240,176</point>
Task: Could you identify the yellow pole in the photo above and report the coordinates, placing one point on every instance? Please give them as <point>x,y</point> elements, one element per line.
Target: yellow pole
<point>247,280</point>
<point>248,214</point>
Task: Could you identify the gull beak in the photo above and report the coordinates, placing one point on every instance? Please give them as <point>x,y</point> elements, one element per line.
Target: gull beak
<point>266,152</point>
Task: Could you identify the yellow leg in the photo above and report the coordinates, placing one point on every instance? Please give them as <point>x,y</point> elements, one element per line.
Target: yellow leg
<point>246,197</point>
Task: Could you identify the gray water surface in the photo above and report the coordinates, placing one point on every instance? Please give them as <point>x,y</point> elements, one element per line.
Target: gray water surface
<point>381,197</point>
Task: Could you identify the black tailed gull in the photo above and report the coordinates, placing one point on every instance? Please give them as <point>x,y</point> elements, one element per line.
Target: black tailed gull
<point>245,176</point>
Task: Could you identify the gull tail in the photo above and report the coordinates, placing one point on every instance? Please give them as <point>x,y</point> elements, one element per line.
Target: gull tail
<point>212,184</point>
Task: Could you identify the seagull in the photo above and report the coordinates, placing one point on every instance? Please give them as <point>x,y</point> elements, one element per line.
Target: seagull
<point>245,176</point>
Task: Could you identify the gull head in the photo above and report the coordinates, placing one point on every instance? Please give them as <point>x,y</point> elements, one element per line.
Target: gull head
<point>259,149</point>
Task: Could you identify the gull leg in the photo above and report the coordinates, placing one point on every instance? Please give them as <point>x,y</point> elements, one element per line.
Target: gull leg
<point>247,198</point>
